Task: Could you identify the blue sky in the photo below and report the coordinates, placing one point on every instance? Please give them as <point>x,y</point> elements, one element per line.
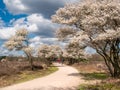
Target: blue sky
<point>35,15</point>
<point>6,16</point>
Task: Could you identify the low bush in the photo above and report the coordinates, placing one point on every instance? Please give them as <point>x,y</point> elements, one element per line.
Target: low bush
<point>12,72</point>
<point>15,67</point>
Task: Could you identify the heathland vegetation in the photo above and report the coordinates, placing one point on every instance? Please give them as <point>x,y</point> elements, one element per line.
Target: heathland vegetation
<point>93,24</point>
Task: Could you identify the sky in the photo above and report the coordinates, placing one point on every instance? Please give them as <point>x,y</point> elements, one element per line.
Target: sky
<point>34,15</point>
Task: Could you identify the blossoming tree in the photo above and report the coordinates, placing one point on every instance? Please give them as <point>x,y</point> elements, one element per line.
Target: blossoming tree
<point>94,23</point>
<point>76,52</point>
<point>20,42</point>
<point>49,52</point>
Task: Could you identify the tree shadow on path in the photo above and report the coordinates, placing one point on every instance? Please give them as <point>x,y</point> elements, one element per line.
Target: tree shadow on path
<point>74,74</point>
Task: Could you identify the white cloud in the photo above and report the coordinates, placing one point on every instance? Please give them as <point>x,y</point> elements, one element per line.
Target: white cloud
<point>35,39</point>
<point>18,21</point>
<point>6,33</point>
<point>37,22</point>
<point>44,7</point>
<point>15,6</point>
<point>33,28</point>
<point>5,52</point>
<point>36,18</point>
<point>36,44</point>
<point>1,23</point>
<point>34,23</point>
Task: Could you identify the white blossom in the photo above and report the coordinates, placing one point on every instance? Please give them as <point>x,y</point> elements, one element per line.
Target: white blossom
<point>47,51</point>
<point>28,49</point>
<point>95,22</point>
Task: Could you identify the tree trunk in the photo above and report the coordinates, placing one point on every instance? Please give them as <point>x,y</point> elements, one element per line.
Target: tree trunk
<point>112,63</point>
<point>31,63</point>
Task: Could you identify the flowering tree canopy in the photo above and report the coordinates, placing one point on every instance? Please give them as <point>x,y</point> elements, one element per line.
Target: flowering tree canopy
<point>75,50</point>
<point>48,51</point>
<point>20,42</point>
<point>96,23</point>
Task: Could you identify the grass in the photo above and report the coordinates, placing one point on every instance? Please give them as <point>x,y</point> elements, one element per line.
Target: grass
<point>91,72</point>
<point>95,75</point>
<point>26,76</point>
<point>109,86</point>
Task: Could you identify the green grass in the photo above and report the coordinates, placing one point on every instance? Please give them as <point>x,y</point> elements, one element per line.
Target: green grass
<point>109,86</point>
<point>92,76</point>
<point>36,74</point>
<point>27,75</point>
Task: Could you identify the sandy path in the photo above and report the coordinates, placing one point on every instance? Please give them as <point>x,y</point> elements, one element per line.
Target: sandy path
<point>66,78</point>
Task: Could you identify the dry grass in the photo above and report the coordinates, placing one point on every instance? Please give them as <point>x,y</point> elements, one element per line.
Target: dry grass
<point>109,84</point>
<point>91,67</point>
<point>12,72</point>
<point>90,71</point>
<point>15,67</point>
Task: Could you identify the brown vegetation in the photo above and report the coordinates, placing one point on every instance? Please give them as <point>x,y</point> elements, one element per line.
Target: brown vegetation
<point>96,70</point>
<point>91,66</point>
<point>11,70</point>
<point>15,67</point>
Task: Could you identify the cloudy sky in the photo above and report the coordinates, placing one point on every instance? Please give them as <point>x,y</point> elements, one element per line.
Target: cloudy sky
<point>35,15</point>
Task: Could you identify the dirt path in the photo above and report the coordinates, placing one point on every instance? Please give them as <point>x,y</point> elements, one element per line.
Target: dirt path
<point>66,78</point>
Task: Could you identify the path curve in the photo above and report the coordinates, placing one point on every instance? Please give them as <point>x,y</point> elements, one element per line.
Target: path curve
<point>66,78</point>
